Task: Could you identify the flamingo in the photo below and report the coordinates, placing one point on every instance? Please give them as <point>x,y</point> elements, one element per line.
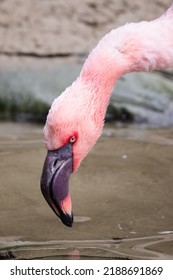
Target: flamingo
<point>76,118</point>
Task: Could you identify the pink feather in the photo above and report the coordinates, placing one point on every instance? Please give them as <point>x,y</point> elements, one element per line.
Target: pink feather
<point>81,108</point>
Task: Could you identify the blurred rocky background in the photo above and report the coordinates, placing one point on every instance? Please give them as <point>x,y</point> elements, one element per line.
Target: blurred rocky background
<point>43,44</point>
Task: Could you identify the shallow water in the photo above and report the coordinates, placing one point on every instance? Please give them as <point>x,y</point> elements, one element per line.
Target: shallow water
<point>151,247</point>
<point>122,197</point>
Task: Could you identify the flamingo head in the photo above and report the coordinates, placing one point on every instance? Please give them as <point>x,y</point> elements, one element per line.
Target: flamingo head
<point>70,132</point>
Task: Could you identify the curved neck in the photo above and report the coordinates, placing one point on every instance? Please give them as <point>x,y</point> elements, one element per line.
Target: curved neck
<point>102,69</point>
<point>143,46</point>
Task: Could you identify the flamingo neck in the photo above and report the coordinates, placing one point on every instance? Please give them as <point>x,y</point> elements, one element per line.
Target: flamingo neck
<point>143,46</point>
<point>101,69</point>
<point>99,74</point>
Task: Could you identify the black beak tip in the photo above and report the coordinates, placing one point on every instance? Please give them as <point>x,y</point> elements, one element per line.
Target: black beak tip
<point>67,219</point>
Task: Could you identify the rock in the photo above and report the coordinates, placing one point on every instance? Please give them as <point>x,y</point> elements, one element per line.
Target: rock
<point>27,91</point>
<point>49,27</point>
<point>46,29</point>
<point>147,96</point>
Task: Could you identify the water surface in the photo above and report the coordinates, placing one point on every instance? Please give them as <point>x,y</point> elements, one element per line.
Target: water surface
<point>122,197</point>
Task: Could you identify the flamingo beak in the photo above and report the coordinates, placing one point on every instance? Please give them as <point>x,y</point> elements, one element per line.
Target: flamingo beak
<point>54,182</point>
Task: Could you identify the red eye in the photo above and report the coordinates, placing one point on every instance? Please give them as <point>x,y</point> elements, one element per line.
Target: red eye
<point>73,139</point>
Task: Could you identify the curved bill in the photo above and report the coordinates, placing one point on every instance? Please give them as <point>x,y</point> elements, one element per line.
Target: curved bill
<point>54,182</point>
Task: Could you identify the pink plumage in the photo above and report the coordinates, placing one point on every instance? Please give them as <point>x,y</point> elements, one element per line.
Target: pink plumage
<point>80,109</point>
<point>142,46</point>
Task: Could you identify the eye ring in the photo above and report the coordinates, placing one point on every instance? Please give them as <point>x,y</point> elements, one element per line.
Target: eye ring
<point>73,139</point>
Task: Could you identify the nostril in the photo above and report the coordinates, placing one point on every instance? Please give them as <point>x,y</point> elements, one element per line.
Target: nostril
<point>55,163</point>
